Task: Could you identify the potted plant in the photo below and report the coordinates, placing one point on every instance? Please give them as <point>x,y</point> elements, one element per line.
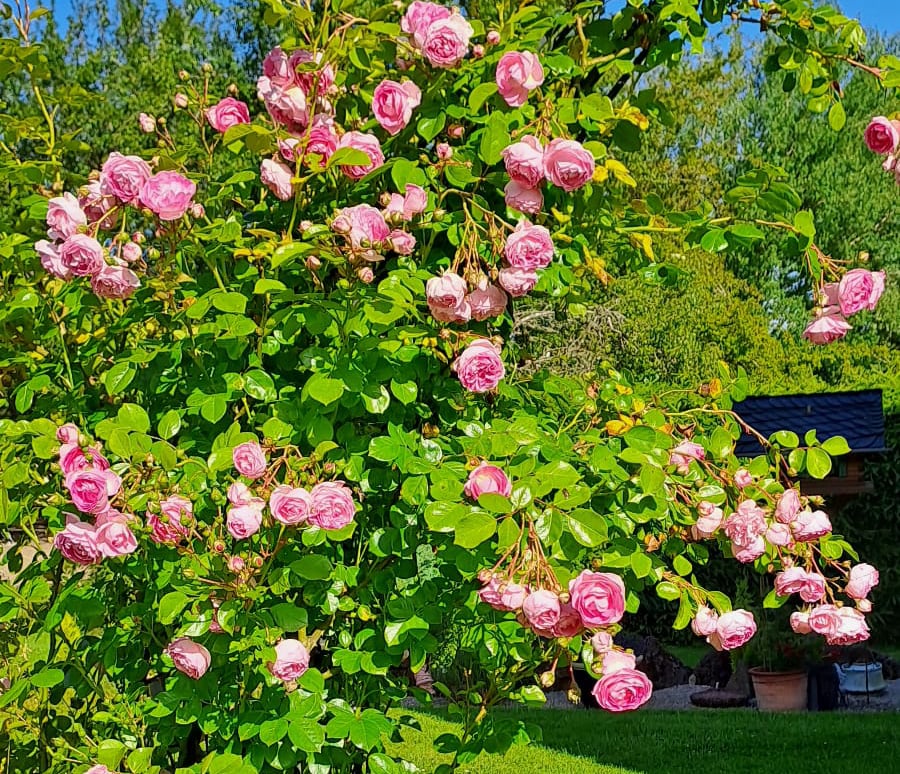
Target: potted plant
<point>781,661</point>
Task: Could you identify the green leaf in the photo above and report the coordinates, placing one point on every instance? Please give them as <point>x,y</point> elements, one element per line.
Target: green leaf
<point>495,503</point>
<point>306,735</point>
<point>587,527</point>
<point>117,378</point>
<point>324,389</point>
<point>668,590</point>
<point>110,753</point>
<point>258,384</point>
<point>170,606</point>
<point>366,731</point>
<point>481,94</point>
<point>682,566</point>
<point>169,424</point>
<point>685,612</point>
<point>47,678</point>
<point>405,392</point>
<point>721,443</point>
<point>230,302</point>
<point>641,564</point>
<point>430,127</point>
<point>312,567</point>
<point>133,417</point>
<point>818,463</point>
<point>474,528</point>
<point>272,731</point>
<point>348,157</point>
<point>785,439</point>
<point>836,446</point>
<point>290,617</point>
<point>494,138</point>
<point>139,760</point>
<point>803,222</point>
<point>837,117</point>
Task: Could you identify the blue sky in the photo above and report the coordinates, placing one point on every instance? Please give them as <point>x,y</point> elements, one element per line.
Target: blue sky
<point>883,15</point>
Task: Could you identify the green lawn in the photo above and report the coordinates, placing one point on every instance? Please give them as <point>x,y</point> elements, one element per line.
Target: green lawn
<point>694,742</point>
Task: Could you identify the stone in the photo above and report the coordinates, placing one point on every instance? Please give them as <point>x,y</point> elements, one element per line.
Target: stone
<point>714,698</point>
<point>663,669</point>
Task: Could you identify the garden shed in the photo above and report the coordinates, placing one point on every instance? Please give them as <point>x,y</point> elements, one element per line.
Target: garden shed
<point>857,416</point>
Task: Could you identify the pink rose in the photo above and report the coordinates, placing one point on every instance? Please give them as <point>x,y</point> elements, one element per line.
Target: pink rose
<point>862,578</point>
<point>479,366</point>
<point>444,151</point>
<point>599,597</point>
<point>569,623</point>
<point>517,282</point>
<point>682,455</point>
<point>367,227</point>
<point>290,506</point>
<point>601,642</point>
<point>285,101</point>
<point>518,72</point>
<point>78,542</point>
<point>73,457</point>
<point>824,620</point>
<point>447,41</point>
<point>239,493</point>
<point>323,140</point>
<point>795,580</point>
<point>487,301</point>
<point>708,523</point>
<point>623,690</point>
<point>512,596</point>
<point>190,657</point>
<point>524,161</point>
<point>96,204</point>
<point>90,490</point>
<point>114,538</point>
<point>800,623</point>
<point>51,260</point>
<point>179,515</point>
<point>419,17</point>
<point>882,135</point>
<point>249,460</point>
<point>147,123</point>
<point>67,433</point>
<point>826,329</point>
<point>567,164</point>
<point>98,769</point>
<point>749,551</point>
<point>333,506</point>
<point>614,660</point>
<point>733,629</point>
<point>523,199</point>
<point>368,144</point>
<point>742,478</point>
<point>243,521</point>
<point>408,205</point>
<point>788,506</point>
<point>705,622</point>
<point>446,296</point>
<point>168,195</point>
<point>860,289</point>
<point>810,525</point>
<point>393,104</point>
<point>82,255</point>
<point>124,177</point>
<point>493,38</point>
<point>839,625</point>
<point>131,252</point>
<point>490,592</point>
<point>291,660</point>
<point>227,113</point>
<point>366,275</point>
<point>115,282</point>
<point>277,178</point>
<point>779,534</point>
<point>64,216</point>
<point>747,523</point>
<point>529,247</point>
<point>321,79</point>
<point>541,609</point>
<point>487,479</point>
<point>402,242</point>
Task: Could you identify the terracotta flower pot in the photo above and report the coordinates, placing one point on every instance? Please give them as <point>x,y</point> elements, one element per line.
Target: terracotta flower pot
<point>779,691</point>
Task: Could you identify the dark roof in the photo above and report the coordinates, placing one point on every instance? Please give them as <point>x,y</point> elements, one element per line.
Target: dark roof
<point>858,416</point>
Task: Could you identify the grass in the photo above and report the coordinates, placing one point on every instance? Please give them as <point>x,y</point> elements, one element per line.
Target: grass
<point>690,742</point>
<point>690,655</point>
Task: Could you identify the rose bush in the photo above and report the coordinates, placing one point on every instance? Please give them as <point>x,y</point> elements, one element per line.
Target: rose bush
<point>281,436</point>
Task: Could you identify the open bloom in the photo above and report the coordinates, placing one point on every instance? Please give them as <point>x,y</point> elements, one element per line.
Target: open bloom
<point>523,199</point>
<point>486,301</point>
<point>291,660</point>
<point>882,135</point>
<point>190,657</point>
<point>364,224</point>
<point>243,521</point>
<point>623,690</point>
<point>568,164</point>
<point>91,489</point>
<point>114,282</point>
<point>541,609</point>
<point>518,73</point>
<point>733,629</point>
<point>705,622</point>
<point>278,178</point>
<point>174,521</point>
<point>249,459</point>
<point>862,578</point>
<point>369,145</point>
<point>78,542</point>
<point>227,113</point>
<point>393,104</point>
<point>64,216</point>
<point>479,366</point>
<point>419,17</point>
<point>487,479</point>
<point>599,597</point>
<point>795,580</point>
<point>447,41</point>
<point>826,329</point>
<point>810,525</point>
<point>332,505</point>
<point>682,455</point>
<point>290,506</point>
<point>446,296</point>
<point>123,177</point>
<point>524,161</point>
<point>168,194</point>
<point>82,256</point>
<point>529,247</point>
<point>860,289</point>
<point>517,282</point>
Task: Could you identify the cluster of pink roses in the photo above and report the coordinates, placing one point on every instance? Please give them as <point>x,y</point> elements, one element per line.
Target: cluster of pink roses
<point>367,230</point>
<point>857,290</point>
<point>565,163</point>
<point>442,35</point>
<point>882,136</point>
<point>92,486</point>
<point>73,224</point>
<point>595,602</point>
<point>329,505</point>
<point>295,87</point>
<point>787,531</point>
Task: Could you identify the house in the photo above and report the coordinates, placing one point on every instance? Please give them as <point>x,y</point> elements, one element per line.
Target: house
<point>857,416</point>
